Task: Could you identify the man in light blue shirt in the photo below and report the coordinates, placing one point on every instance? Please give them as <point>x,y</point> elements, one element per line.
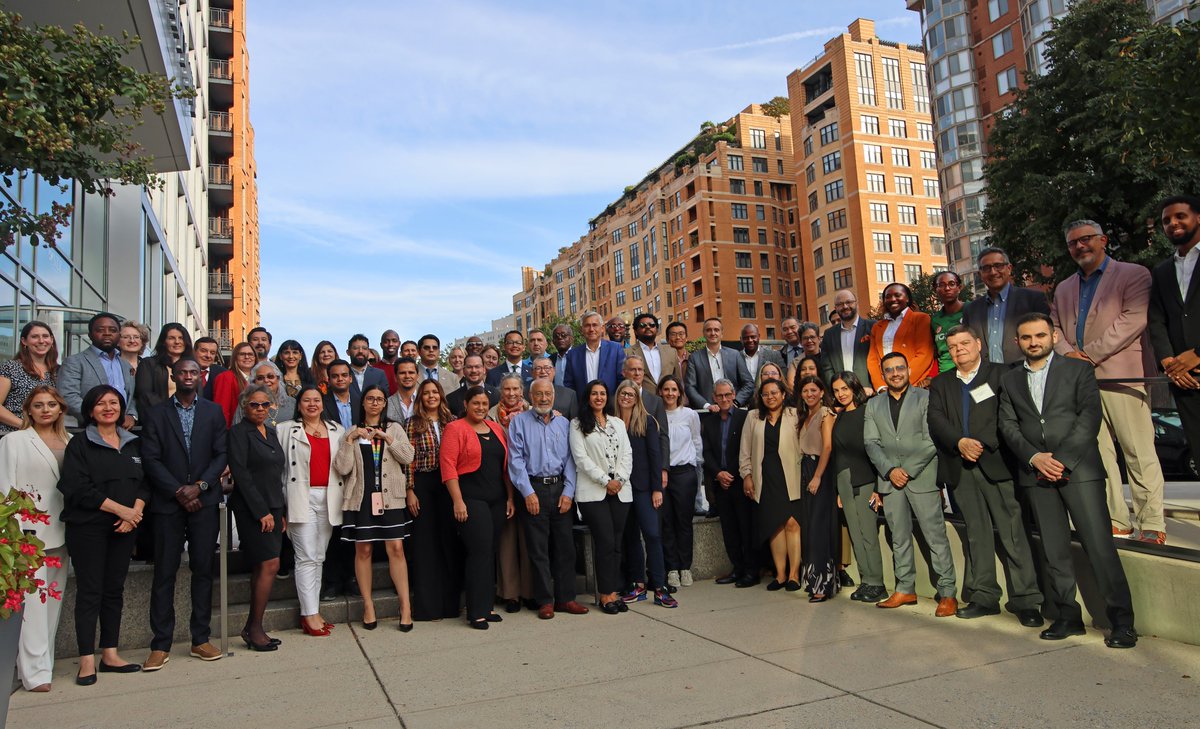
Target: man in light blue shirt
<point>99,364</point>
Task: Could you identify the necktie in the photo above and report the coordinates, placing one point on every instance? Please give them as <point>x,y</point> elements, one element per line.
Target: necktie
<point>203,378</point>
<point>431,373</point>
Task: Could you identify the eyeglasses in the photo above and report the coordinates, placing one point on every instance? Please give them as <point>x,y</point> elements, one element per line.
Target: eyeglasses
<point>947,285</point>
<point>258,405</point>
<point>627,394</point>
<point>894,370</point>
<point>1083,240</point>
<point>993,267</point>
<point>374,399</point>
<point>647,325</point>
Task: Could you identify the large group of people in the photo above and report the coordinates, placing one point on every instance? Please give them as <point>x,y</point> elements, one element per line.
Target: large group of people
<point>1009,407</point>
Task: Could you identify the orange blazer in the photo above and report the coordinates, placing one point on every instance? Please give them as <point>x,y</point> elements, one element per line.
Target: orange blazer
<point>914,340</point>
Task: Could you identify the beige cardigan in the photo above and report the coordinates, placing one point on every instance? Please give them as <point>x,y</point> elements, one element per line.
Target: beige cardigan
<point>751,458</point>
<point>348,462</point>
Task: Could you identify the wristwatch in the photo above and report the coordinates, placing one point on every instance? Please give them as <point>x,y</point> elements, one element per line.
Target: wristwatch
<point>203,486</point>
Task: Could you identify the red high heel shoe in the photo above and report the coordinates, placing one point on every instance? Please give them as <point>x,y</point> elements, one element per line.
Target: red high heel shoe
<point>316,632</point>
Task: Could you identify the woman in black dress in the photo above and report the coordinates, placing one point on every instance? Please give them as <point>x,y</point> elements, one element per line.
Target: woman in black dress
<point>818,505</point>
<point>770,469</point>
<point>855,479</point>
<point>153,379</point>
<point>256,461</point>
<point>372,457</point>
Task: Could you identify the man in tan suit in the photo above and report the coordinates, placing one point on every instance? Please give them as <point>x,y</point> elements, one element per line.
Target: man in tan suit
<point>1100,317</point>
<point>660,360</point>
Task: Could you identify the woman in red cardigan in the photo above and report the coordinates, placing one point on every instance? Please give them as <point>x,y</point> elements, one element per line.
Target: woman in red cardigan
<point>474,461</point>
<point>228,386</point>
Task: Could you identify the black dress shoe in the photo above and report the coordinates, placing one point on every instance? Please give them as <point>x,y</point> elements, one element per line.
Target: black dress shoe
<point>1121,638</point>
<point>85,680</point>
<point>792,586</point>
<point>874,593</point>
<point>774,585</point>
<point>479,624</point>
<point>857,595</point>
<point>728,579</point>
<point>746,581</point>
<point>1031,618</point>
<point>493,617</point>
<point>975,610</point>
<point>611,608</point>
<point>530,604</point>
<point>622,607</point>
<point>844,579</point>
<point>1060,629</point>
<point>127,668</point>
<point>512,606</point>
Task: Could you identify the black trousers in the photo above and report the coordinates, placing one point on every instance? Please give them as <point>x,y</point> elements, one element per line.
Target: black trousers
<point>736,511</point>
<point>1188,403</point>
<point>1085,504</point>
<point>550,544</point>
<point>679,506</point>
<point>201,531</point>
<point>990,510</point>
<point>338,569</point>
<point>606,521</point>
<point>100,557</point>
<point>481,539</point>
<point>434,557</point>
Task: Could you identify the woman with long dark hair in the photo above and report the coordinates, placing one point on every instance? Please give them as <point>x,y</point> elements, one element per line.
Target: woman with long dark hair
<point>228,386</point>
<point>293,367</point>
<point>36,365</point>
<point>679,500</point>
<point>323,355</point>
<point>152,383</point>
<point>855,480</point>
<point>818,504</point>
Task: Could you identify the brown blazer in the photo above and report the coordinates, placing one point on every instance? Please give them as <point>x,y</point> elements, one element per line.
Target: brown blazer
<point>1114,335</point>
<point>666,353</point>
<point>349,463</point>
<point>750,456</point>
<point>914,340</point>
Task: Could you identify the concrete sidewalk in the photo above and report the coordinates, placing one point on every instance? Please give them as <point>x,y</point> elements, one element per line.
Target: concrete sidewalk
<point>726,657</point>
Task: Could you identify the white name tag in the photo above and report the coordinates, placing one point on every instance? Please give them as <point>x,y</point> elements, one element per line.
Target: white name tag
<point>982,393</point>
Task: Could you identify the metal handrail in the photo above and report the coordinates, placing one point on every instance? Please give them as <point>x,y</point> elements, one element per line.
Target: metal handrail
<point>220,121</point>
<point>220,69</point>
<point>220,175</point>
<point>220,18</point>
<point>220,228</point>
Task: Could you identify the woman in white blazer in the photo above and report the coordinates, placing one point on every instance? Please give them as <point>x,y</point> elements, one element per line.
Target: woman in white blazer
<point>603,462</point>
<point>30,460</point>
<point>314,498</point>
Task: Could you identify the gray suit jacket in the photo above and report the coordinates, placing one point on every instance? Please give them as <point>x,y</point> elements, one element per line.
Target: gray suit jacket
<point>699,386</point>
<point>907,445</point>
<point>83,371</point>
<point>831,352</point>
<point>765,355</point>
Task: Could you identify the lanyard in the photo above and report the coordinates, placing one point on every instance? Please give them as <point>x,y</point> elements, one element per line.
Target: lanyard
<point>377,455</point>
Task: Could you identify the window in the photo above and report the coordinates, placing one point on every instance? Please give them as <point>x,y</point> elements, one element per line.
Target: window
<point>762,236</point>
<point>760,212</point>
<point>934,216</point>
<point>558,300</point>
<point>810,173</point>
<point>865,71</point>
<point>741,235</point>
<point>682,297</point>
<point>745,285</point>
<point>870,124</point>
<point>558,277</point>
<point>879,212</point>
<point>637,293</point>
<point>633,229</point>
<point>883,242</point>
<point>812,201</point>
<point>758,139</point>
<point>616,236</point>
<point>764,261</point>
<point>931,187</point>
<point>739,211</point>
<point>843,279</point>
<point>875,182</point>
<point>619,267</point>
<point>821,286</point>
<point>778,142</point>
<point>907,214</point>
<point>928,161</point>
<point>837,220</point>
<point>635,261</point>
<point>924,132</point>
<point>735,163</point>
<point>760,164</point>
<point>741,260</point>
<point>620,298</point>
<point>1002,43</point>
<point>815,228</point>
<point>900,157</point>
<point>873,154</point>
<point>834,191</point>
<point>737,187</point>
<point>897,128</point>
<point>920,86</point>
<point>818,259</point>
<point>807,146</point>
<point>1006,80</point>
<point>885,273</point>
<point>996,8</point>
<point>766,285</point>
<point>758,189</point>
<point>893,87</point>
<point>910,243</point>
<point>831,162</point>
<point>779,166</point>
<point>903,185</point>
<point>829,133</point>
<point>937,245</point>
<point>839,249</point>
<point>912,272</point>
<point>796,264</point>
<point>746,310</point>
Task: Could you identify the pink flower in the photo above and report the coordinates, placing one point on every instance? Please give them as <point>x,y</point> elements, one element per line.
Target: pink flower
<point>55,562</point>
<point>28,548</point>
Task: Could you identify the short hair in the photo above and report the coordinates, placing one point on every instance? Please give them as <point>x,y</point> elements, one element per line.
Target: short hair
<point>1082,223</point>
<point>786,319</point>
<point>336,363</point>
<point>957,329</point>
<point>387,332</point>
<point>589,314</point>
<point>713,318</point>
<point>947,272</point>
<point>805,326</point>
<point>1035,316</point>
<point>893,355</point>
<point>142,330</point>
<point>535,360</point>
<point>645,315</point>
<point>989,251</point>
<point>472,356</point>
<point>406,342</point>
<point>358,338</point>
<point>265,364</point>
<point>93,396</point>
<point>404,360</point>
<point>250,391</point>
<point>512,376</point>
<point>724,382</point>
<point>182,360</point>
<point>676,324</point>
<point>636,356</point>
<point>205,340</point>
<point>513,331</point>
<point>564,325</point>
<point>903,287</point>
<point>259,329</point>
<point>1191,201</point>
<point>105,315</point>
<point>424,337</point>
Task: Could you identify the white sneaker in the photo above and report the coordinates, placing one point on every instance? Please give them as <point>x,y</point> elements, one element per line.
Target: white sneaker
<point>673,578</point>
<point>685,578</point>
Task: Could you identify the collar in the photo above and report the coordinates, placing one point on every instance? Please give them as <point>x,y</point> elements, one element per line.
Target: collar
<point>181,406</point>
<point>903,312</point>
<point>599,346</point>
<point>1045,367</point>
<point>852,327</point>
<point>1002,295</point>
<point>711,353</point>
<point>92,433</point>
<point>1098,271</point>
<point>970,376</point>
<point>114,354</point>
<point>648,347</point>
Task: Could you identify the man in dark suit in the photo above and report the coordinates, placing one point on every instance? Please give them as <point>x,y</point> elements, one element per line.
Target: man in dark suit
<point>722,438</point>
<point>851,336</point>
<point>1050,418</point>
<point>565,402</point>
<point>341,402</point>
<point>596,359</point>
<point>473,374</point>
<point>791,350</point>
<point>514,347</point>
<point>963,404</point>
<point>183,454</point>
<point>1173,318</point>
<point>562,336</point>
<point>362,374</point>
<point>994,316</point>
<point>207,352</point>
<point>754,355</point>
<point>712,363</point>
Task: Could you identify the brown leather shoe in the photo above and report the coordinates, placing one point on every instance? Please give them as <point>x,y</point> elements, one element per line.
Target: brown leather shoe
<point>156,660</point>
<point>897,599</point>
<point>206,652</point>
<point>571,607</point>
<point>546,611</point>
<point>947,606</point>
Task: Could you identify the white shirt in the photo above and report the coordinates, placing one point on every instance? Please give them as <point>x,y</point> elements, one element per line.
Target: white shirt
<point>1184,268</point>
<point>967,378</point>
<point>358,376</point>
<point>889,334</point>
<point>653,358</point>
<point>752,362</point>
<point>592,361</point>
<point>847,336</point>
<point>714,364</point>
<point>683,425</point>
<point>1036,379</point>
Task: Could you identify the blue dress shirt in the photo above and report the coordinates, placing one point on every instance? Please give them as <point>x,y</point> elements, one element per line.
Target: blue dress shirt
<point>538,448</point>
<point>997,308</point>
<point>1087,290</point>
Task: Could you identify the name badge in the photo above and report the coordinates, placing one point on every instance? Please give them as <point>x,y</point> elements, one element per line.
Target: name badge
<point>982,393</point>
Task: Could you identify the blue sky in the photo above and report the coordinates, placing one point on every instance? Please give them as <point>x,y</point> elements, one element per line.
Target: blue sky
<point>413,156</point>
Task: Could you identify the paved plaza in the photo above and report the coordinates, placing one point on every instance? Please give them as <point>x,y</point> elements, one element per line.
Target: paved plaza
<point>727,657</point>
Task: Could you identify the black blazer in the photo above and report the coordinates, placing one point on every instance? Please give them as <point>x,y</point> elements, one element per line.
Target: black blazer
<point>647,459</point>
<point>830,362</point>
<point>1068,425</point>
<point>213,371</point>
<point>849,452</point>
<point>654,405</point>
<point>169,465</point>
<point>496,373</point>
<point>1020,302</point>
<point>150,384</point>
<point>565,401</point>
<point>945,425</point>
<point>256,463</point>
<point>1173,322</point>
<point>456,400</point>
<point>331,410</point>
<point>710,436</point>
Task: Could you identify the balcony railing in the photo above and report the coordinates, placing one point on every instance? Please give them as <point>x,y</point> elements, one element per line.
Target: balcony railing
<point>220,121</point>
<point>224,337</point>
<point>219,68</point>
<point>220,18</point>
<point>220,228</point>
<point>220,284</point>
<point>220,175</point>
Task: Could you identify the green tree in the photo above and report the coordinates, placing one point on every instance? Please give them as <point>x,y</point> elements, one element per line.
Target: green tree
<point>776,107</point>
<point>1107,132</point>
<point>923,296</point>
<point>68,108</point>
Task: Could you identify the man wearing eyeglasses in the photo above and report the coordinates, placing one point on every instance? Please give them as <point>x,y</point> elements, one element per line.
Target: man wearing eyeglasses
<point>429,349</point>
<point>994,317</point>
<point>847,345</point>
<point>514,361</point>
<point>1100,315</point>
<point>660,361</point>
